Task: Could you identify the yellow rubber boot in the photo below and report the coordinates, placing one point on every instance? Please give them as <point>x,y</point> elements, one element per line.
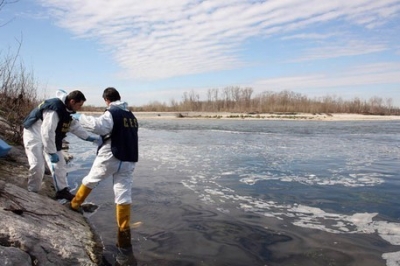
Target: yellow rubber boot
<point>80,196</point>
<point>123,213</point>
<point>125,252</point>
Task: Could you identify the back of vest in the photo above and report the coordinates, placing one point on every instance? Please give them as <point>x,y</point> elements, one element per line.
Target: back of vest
<point>54,104</point>
<point>124,135</point>
<point>64,123</point>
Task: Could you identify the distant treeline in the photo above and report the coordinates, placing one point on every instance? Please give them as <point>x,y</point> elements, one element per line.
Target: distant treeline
<point>241,100</point>
<point>18,91</point>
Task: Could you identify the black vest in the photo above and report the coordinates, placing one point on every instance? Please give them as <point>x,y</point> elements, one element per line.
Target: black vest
<point>64,116</point>
<point>124,135</point>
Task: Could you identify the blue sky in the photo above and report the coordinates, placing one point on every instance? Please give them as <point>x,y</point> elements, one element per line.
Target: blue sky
<point>155,50</point>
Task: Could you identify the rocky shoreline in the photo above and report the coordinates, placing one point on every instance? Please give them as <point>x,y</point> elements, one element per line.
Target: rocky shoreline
<point>35,228</point>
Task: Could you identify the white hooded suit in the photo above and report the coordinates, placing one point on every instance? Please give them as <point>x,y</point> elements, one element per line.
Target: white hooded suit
<point>39,142</point>
<point>105,164</point>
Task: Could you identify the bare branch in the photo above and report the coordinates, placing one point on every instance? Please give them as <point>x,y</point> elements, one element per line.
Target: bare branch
<point>3,3</point>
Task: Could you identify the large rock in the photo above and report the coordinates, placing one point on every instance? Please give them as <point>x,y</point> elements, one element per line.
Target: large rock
<point>34,228</point>
<point>47,231</point>
<point>14,256</point>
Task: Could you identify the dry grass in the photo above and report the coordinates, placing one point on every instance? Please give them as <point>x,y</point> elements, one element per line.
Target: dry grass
<point>18,93</point>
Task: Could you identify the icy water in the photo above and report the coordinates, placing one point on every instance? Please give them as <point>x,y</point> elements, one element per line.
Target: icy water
<point>241,192</point>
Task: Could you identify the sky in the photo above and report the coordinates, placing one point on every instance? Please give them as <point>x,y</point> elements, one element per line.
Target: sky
<point>157,50</point>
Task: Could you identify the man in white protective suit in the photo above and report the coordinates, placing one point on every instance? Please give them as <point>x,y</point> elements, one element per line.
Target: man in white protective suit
<point>44,130</point>
<point>116,158</point>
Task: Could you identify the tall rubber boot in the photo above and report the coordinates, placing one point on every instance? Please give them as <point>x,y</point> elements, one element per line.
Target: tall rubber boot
<point>80,197</point>
<point>125,255</point>
<point>123,214</point>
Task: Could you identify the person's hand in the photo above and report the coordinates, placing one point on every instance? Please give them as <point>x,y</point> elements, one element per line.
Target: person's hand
<point>76,116</point>
<point>54,157</point>
<point>96,140</point>
<point>91,139</point>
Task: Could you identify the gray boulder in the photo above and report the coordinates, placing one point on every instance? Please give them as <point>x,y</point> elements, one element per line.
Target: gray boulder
<point>36,229</point>
<point>46,230</point>
<point>14,256</point>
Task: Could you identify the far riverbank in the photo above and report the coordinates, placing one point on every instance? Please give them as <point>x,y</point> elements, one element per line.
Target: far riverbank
<point>258,116</point>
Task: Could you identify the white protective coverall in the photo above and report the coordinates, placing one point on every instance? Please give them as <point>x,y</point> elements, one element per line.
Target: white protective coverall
<point>39,141</point>
<point>105,164</point>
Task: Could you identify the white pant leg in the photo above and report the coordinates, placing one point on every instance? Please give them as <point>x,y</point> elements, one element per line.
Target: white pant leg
<point>58,171</point>
<point>36,167</point>
<point>34,151</point>
<point>123,180</point>
<point>106,165</point>
<point>101,169</point>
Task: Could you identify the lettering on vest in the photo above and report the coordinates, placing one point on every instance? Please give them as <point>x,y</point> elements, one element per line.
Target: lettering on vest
<point>65,127</point>
<point>132,122</point>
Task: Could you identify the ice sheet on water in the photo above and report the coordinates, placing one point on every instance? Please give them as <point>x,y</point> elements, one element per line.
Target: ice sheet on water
<point>307,160</point>
<point>219,165</point>
<point>353,180</point>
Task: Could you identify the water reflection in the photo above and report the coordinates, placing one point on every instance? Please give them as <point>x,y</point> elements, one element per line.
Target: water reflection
<point>113,256</point>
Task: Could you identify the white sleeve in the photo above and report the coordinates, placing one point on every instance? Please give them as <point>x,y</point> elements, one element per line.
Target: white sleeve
<point>101,125</point>
<point>48,130</point>
<point>76,129</point>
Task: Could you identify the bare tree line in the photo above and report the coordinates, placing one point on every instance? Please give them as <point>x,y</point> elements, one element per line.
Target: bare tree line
<point>18,96</point>
<point>241,100</point>
<point>18,91</point>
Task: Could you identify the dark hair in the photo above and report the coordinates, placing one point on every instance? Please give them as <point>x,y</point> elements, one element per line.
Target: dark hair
<point>75,95</point>
<point>111,94</point>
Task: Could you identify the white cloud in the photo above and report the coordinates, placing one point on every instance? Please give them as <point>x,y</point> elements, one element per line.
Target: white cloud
<point>345,48</point>
<point>310,36</point>
<point>379,73</point>
<point>155,39</point>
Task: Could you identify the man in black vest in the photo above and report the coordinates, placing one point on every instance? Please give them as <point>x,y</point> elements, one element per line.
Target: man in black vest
<point>116,157</point>
<point>44,130</point>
